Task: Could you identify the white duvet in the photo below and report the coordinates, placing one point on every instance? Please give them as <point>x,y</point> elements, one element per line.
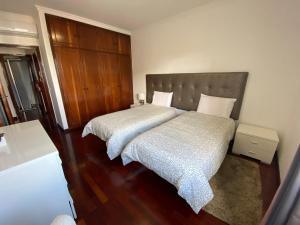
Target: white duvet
<point>118,128</point>
<point>186,151</point>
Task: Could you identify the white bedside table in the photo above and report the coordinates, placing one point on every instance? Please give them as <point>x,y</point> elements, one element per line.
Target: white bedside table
<point>256,142</point>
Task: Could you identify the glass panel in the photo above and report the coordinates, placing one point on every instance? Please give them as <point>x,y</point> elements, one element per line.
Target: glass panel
<point>22,78</point>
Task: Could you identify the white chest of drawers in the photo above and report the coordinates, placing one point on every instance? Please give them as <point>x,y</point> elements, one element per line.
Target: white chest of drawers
<point>256,142</point>
<point>33,188</point>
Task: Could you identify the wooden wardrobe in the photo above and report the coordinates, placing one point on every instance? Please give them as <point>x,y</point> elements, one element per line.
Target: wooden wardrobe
<point>93,67</point>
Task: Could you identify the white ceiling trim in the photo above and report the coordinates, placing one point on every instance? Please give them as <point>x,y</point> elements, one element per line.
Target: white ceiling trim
<point>18,40</point>
<point>44,10</point>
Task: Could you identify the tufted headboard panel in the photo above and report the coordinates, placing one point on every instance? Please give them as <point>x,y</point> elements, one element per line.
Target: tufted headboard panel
<point>188,87</point>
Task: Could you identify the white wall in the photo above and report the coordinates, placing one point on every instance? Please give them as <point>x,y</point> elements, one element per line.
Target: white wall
<point>258,36</point>
<point>291,139</point>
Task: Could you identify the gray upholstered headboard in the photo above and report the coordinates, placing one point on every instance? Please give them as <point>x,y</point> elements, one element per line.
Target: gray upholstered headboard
<point>187,88</point>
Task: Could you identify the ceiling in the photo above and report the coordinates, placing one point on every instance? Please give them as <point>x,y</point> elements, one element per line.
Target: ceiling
<point>126,14</point>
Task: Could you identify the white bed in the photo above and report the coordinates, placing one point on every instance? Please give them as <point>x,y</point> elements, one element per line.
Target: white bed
<point>186,151</point>
<point>118,128</point>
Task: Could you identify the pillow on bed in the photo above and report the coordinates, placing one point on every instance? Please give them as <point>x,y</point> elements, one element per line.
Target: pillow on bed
<point>216,106</point>
<point>162,98</point>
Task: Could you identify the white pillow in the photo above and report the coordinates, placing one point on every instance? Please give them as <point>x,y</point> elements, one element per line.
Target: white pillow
<point>162,98</point>
<point>216,106</point>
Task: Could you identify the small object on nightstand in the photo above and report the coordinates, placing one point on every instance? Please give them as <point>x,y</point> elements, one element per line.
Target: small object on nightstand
<point>256,142</point>
<point>141,98</point>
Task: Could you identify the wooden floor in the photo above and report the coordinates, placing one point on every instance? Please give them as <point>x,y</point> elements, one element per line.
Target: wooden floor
<point>107,193</point>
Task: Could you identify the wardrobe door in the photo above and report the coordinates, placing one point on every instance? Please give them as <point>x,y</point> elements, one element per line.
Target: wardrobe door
<point>125,71</point>
<point>62,31</point>
<point>88,36</point>
<point>92,85</point>
<point>107,40</point>
<point>109,71</point>
<point>68,65</point>
<point>124,46</point>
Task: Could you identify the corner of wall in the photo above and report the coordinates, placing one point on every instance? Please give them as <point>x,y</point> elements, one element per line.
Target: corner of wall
<point>49,67</point>
<point>289,145</point>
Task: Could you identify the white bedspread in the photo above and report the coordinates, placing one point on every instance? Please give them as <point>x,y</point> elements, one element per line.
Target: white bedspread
<point>186,151</point>
<point>118,128</point>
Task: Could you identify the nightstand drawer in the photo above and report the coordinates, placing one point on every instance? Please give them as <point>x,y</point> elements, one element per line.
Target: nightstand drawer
<point>254,147</point>
<point>249,143</point>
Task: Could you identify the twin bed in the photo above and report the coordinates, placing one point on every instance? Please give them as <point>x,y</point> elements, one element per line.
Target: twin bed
<point>186,148</point>
<point>119,128</point>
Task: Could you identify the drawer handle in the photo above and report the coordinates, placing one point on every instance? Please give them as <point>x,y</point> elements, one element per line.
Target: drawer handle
<point>254,142</point>
<point>251,152</point>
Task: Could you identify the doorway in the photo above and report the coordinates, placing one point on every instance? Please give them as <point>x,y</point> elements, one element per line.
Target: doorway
<point>25,95</point>
<point>21,80</point>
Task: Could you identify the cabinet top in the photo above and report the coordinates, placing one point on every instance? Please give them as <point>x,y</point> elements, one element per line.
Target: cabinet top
<point>24,142</point>
<point>257,131</point>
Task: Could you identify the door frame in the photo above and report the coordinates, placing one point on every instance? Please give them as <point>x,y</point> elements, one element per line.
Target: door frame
<point>42,84</point>
<point>4,102</point>
<point>7,108</point>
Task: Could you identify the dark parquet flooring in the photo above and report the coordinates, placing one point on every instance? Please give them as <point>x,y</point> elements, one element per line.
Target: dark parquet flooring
<point>107,193</point>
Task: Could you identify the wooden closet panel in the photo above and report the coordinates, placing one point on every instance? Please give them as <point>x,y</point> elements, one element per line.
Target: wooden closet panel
<point>68,63</point>
<point>107,40</point>
<point>124,44</point>
<point>88,36</point>
<point>94,69</point>
<point>126,81</point>
<point>109,71</point>
<point>92,85</point>
<point>62,31</point>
